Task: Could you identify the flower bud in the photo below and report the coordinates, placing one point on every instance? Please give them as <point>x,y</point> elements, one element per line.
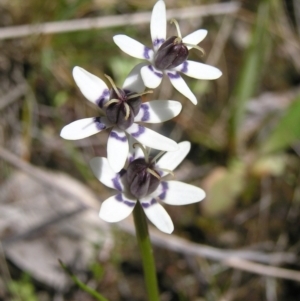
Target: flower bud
<point>140,181</point>
<point>170,54</point>
<point>123,110</point>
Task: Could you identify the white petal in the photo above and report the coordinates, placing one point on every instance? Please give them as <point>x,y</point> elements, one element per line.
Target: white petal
<point>195,37</point>
<point>151,139</point>
<point>180,85</point>
<point>134,81</point>
<point>151,76</point>
<point>171,160</point>
<point>83,128</point>
<point>104,173</point>
<point>117,149</point>
<point>199,70</point>
<point>158,24</point>
<point>158,216</point>
<point>91,86</point>
<point>158,111</point>
<point>116,208</point>
<point>133,47</point>
<point>179,193</point>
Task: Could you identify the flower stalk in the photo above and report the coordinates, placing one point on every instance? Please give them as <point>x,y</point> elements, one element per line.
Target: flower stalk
<point>142,234</point>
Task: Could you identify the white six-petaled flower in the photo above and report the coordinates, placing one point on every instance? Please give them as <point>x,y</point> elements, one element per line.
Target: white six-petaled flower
<point>96,91</point>
<point>152,73</point>
<point>119,206</point>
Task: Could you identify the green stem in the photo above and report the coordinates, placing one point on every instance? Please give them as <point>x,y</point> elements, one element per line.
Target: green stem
<point>142,234</point>
<point>81,285</point>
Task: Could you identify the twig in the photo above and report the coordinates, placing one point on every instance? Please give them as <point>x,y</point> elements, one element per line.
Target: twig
<point>40,175</point>
<point>296,5</point>
<point>262,269</point>
<point>285,29</point>
<point>42,226</point>
<point>12,96</point>
<point>236,259</point>
<point>221,40</point>
<point>233,259</point>
<point>113,21</point>
<point>181,245</point>
<point>264,208</point>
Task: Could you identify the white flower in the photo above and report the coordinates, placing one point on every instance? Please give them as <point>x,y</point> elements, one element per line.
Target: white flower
<point>145,178</point>
<point>152,74</point>
<point>116,102</point>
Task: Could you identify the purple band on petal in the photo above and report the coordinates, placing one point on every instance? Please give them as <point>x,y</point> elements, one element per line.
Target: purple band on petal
<point>129,203</point>
<point>119,198</point>
<point>173,76</point>
<point>147,205</point>
<point>99,125</point>
<point>158,74</point>
<point>102,98</point>
<point>146,114</point>
<point>116,182</point>
<point>153,201</point>
<point>146,53</point>
<point>140,131</point>
<point>156,42</point>
<point>184,67</point>
<point>116,136</point>
<point>165,187</point>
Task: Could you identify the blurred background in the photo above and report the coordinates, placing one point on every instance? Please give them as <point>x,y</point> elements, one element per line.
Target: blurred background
<point>240,243</point>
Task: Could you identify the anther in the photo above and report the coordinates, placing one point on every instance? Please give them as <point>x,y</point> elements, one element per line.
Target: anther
<point>110,102</point>
<point>113,85</point>
<point>173,21</point>
<point>196,47</point>
<point>165,170</point>
<point>158,156</point>
<point>146,155</point>
<point>153,173</point>
<point>127,111</point>
<point>139,94</point>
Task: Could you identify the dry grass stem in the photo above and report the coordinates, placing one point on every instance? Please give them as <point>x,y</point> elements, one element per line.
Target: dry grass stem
<point>113,21</point>
<point>239,259</point>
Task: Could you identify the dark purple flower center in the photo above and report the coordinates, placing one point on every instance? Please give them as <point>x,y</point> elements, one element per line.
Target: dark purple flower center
<point>124,109</point>
<point>170,54</point>
<point>140,181</point>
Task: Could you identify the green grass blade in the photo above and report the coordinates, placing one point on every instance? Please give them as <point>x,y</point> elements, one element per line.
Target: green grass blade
<point>81,285</point>
<point>250,74</point>
<point>287,130</point>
